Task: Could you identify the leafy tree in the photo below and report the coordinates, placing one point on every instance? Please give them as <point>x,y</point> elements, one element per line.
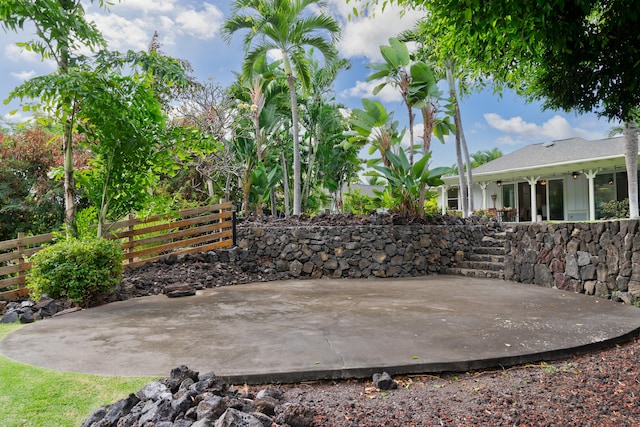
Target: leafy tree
<point>30,201</point>
<point>581,55</point>
<point>481,157</point>
<point>125,145</point>
<point>324,125</point>
<point>260,86</point>
<point>291,27</point>
<point>121,120</point>
<point>62,31</point>
<point>205,174</point>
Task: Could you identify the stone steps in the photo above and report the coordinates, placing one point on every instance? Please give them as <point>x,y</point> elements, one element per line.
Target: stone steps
<point>471,272</point>
<point>485,261</point>
<point>480,265</point>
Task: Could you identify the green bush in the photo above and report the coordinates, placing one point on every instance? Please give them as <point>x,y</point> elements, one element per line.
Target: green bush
<point>615,209</point>
<point>80,270</point>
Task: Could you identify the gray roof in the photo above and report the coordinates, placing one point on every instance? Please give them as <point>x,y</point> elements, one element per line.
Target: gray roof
<point>549,153</point>
<point>554,157</point>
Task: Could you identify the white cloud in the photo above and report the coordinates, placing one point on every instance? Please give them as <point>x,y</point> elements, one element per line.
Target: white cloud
<point>131,24</point>
<point>24,75</point>
<point>418,128</point>
<point>365,90</point>
<point>18,54</point>
<point>363,35</point>
<point>18,117</point>
<point>203,24</point>
<point>520,131</point>
<point>147,6</point>
<point>122,33</point>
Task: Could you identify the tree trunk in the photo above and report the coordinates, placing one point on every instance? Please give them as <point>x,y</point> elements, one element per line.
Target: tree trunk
<point>467,161</point>
<point>306,188</point>
<point>428,117</point>
<point>462,196</point>
<point>258,136</point>
<point>70,208</point>
<point>411,121</point>
<point>69,181</point>
<point>210,191</point>
<point>297,187</point>
<point>285,183</point>
<point>631,162</point>
<point>272,197</point>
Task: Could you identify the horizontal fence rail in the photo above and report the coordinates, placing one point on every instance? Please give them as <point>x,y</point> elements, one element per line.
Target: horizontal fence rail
<point>143,240</point>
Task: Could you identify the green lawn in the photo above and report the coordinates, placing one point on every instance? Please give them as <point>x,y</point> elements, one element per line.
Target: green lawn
<point>31,396</point>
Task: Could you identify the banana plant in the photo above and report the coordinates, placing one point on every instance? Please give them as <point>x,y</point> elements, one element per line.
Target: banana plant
<point>404,181</point>
<point>375,126</point>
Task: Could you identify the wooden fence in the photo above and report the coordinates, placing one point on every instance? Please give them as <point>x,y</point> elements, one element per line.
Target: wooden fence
<point>143,240</point>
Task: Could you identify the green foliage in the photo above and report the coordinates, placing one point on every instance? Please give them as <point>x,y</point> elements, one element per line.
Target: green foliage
<point>431,207</point>
<point>357,203</point>
<point>81,270</point>
<point>30,201</point>
<point>581,55</point>
<point>286,26</point>
<point>405,181</point>
<point>87,222</point>
<point>615,209</point>
<point>375,126</point>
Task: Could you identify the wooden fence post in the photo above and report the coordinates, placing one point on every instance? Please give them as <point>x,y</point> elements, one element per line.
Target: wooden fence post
<point>21,274</point>
<point>130,250</point>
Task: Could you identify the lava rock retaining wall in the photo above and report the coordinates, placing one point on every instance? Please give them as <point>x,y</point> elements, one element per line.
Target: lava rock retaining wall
<point>358,251</point>
<point>600,258</point>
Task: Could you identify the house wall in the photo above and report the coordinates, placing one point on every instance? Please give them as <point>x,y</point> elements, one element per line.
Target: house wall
<point>575,194</point>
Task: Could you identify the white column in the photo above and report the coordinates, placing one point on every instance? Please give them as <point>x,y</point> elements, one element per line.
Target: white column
<point>483,185</point>
<point>534,208</point>
<point>445,200</point>
<point>591,174</point>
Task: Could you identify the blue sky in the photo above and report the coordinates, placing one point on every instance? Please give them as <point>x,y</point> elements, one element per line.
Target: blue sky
<point>190,30</point>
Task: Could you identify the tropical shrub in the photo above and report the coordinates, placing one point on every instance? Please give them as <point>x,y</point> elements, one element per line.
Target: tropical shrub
<point>615,209</point>
<point>358,203</point>
<point>431,207</point>
<point>80,270</point>
<point>405,181</point>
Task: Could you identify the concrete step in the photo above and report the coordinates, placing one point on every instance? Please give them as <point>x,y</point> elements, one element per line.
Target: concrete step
<point>489,250</point>
<point>480,265</point>
<point>487,257</point>
<point>493,241</point>
<point>466,272</point>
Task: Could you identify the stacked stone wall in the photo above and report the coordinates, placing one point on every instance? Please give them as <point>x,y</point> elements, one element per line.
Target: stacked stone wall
<point>600,258</point>
<point>358,251</point>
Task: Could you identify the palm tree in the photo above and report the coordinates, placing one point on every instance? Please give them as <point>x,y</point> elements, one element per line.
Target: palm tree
<point>482,157</point>
<point>630,132</point>
<point>290,27</point>
<point>631,160</point>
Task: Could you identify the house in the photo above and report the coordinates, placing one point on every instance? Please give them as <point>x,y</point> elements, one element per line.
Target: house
<point>565,180</point>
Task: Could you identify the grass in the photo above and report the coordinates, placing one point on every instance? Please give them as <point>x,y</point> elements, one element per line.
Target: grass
<point>32,396</point>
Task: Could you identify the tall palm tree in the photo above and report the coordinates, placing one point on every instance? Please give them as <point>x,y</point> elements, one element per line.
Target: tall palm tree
<point>290,27</point>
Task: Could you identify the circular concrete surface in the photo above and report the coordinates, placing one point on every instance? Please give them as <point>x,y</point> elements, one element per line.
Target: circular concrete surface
<point>303,330</point>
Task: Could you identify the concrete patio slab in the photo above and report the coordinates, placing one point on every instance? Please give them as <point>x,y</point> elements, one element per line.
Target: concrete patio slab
<point>299,330</point>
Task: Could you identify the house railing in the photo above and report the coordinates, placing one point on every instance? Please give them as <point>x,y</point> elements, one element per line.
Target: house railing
<point>143,240</point>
